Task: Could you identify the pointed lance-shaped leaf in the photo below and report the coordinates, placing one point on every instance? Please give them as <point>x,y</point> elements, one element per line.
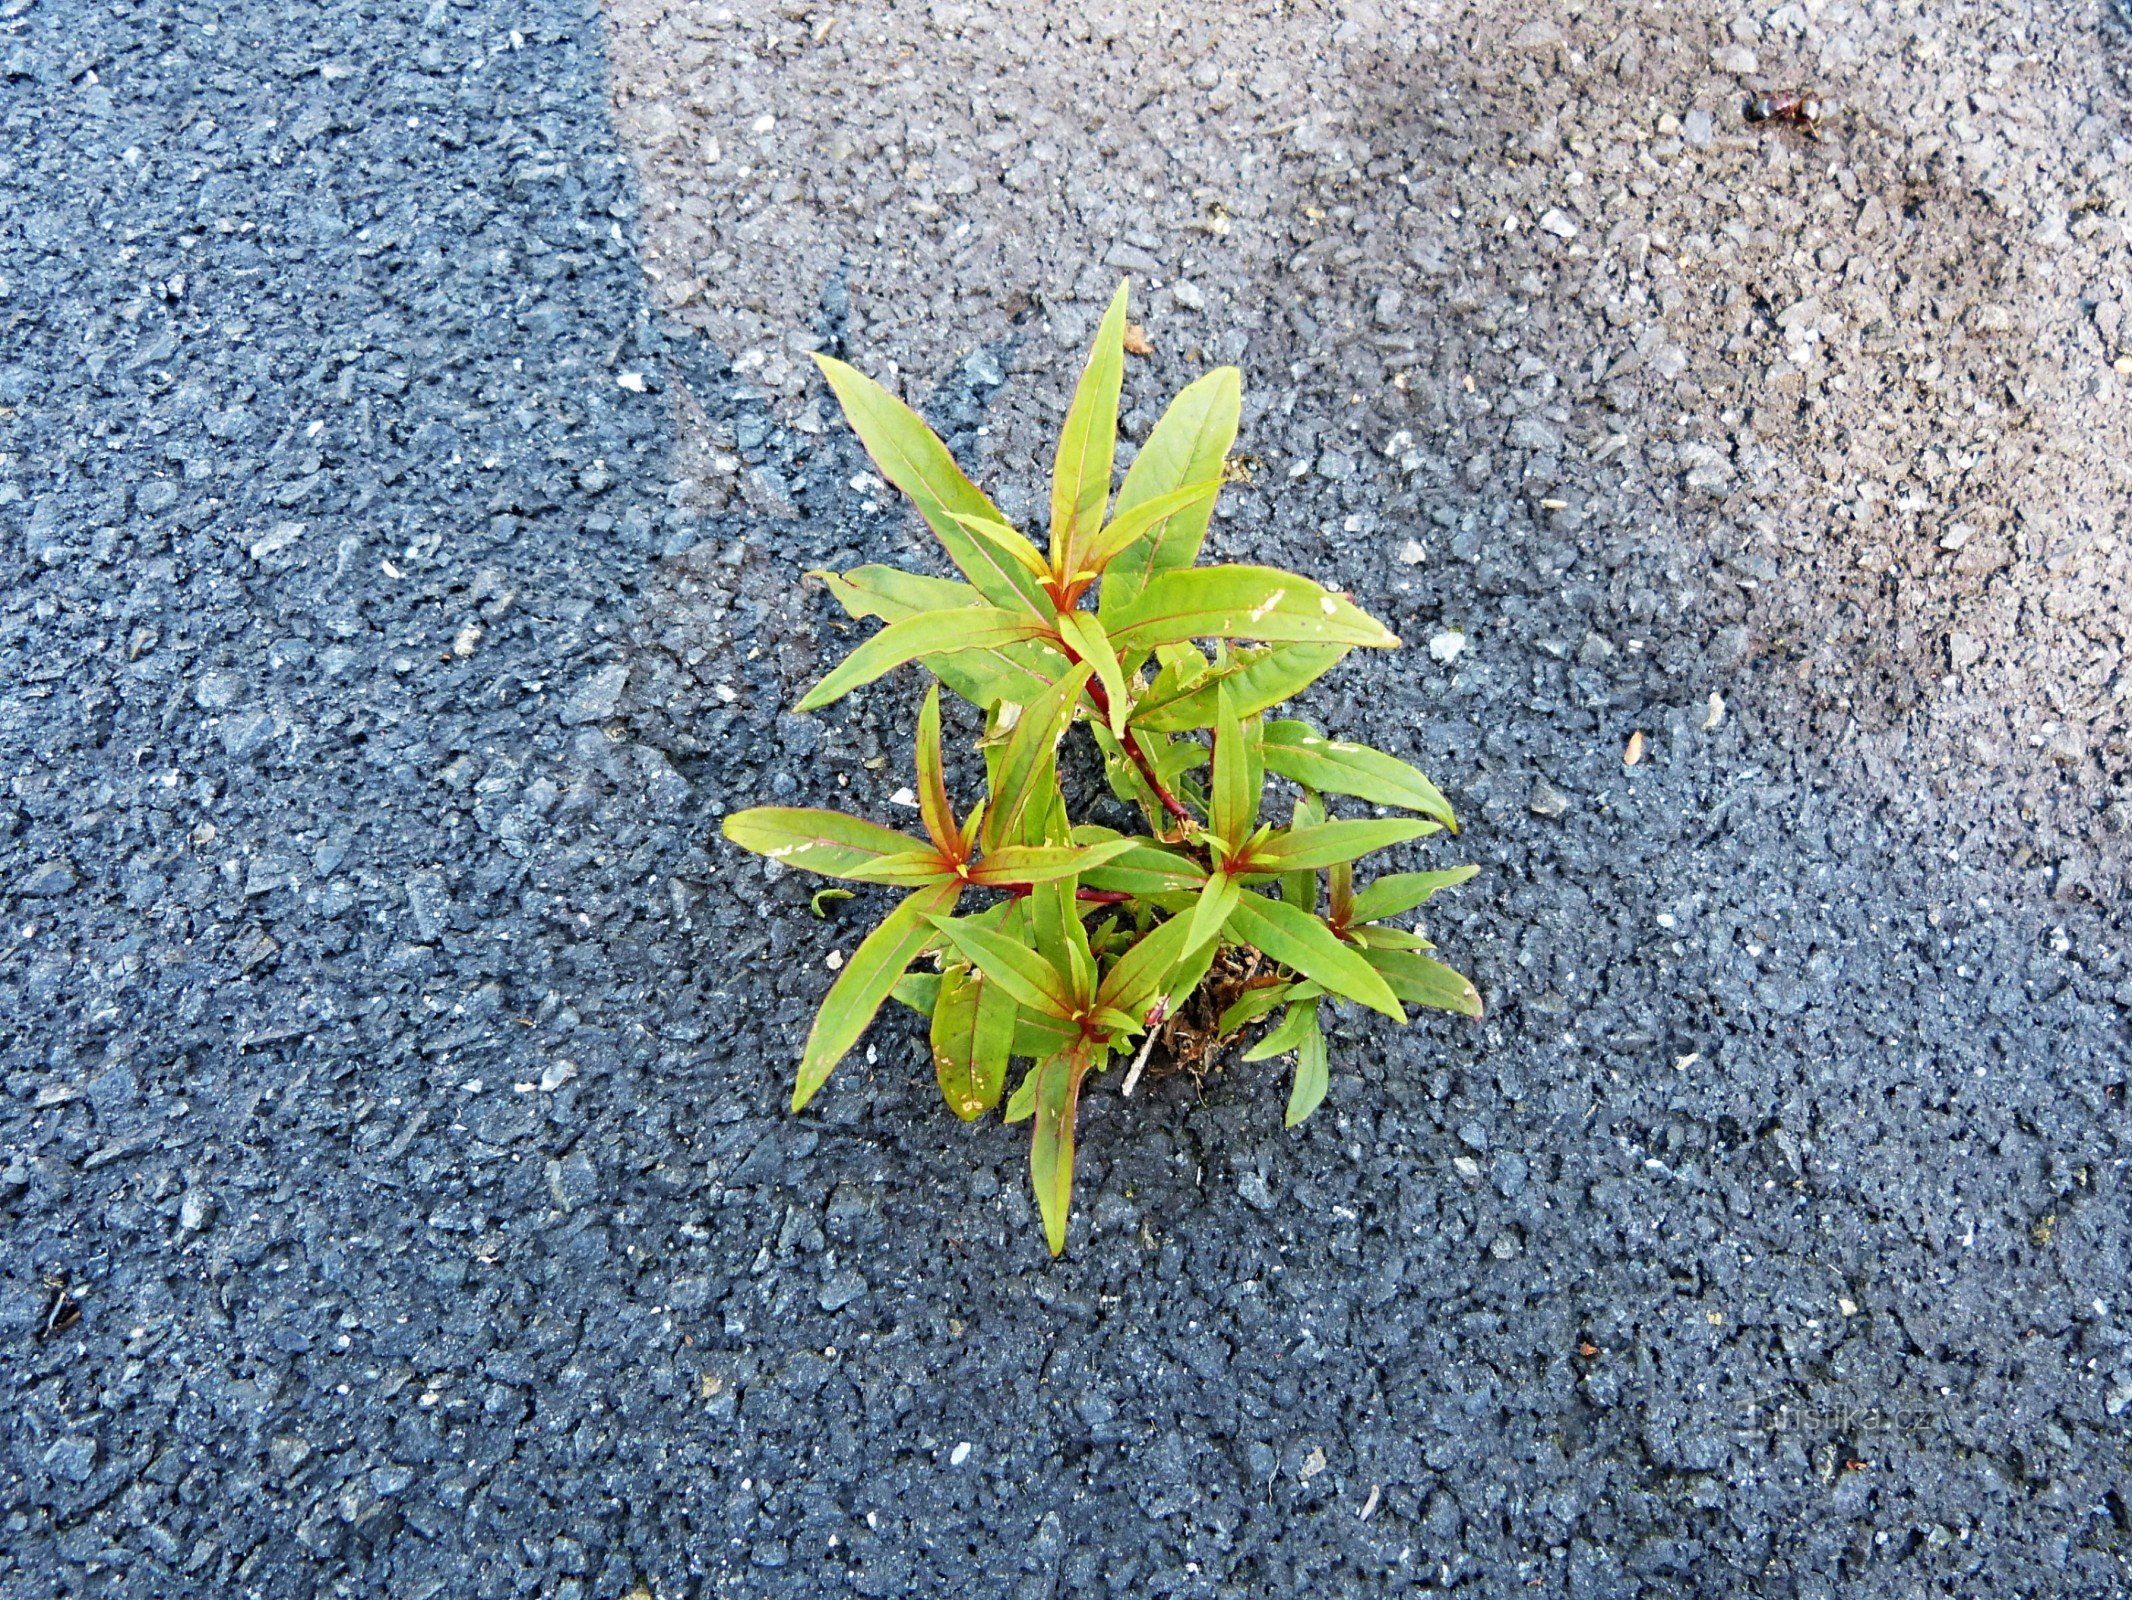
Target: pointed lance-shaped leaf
<point>1259,677</point>
<point>828,842</point>
<point>970,628</point>
<point>1333,766</point>
<point>1009,541</point>
<point>1233,811</point>
<point>1299,887</point>
<point>933,807</point>
<point>1044,863</point>
<point>1302,943</point>
<point>1023,771</point>
<point>972,1034</point>
<point>1129,526</point>
<point>908,871</point>
<point>1212,911</point>
<point>1252,1004</point>
<point>1014,672</point>
<point>1027,976</point>
<point>1141,974</point>
<point>1083,635</point>
<point>1399,892</point>
<point>1080,472</point>
<point>912,458</point>
<point>1311,1078</point>
<point>866,981</point>
<point>1187,446</point>
<point>1330,843</point>
<point>1242,603</point>
<point>1144,868</point>
<point>1420,981</point>
<point>1288,1035</point>
<point>1058,1093</point>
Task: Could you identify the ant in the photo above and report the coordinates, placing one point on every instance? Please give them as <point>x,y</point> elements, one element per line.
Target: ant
<point>1802,108</point>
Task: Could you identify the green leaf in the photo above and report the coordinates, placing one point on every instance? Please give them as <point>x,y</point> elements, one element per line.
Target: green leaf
<point>1250,1005</point>
<point>1400,892</point>
<point>817,901</point>
<point>1043,863</point>
<point>1027,976</point>
<point>1140,975</point>
<point>1010,542</point>
<point>918,990</point>
<point>1080,473</point>
<point>1058,1093</point>
<point>1022,1103</point>
<point>1311,1079</point>
<point>1259,677</point>
<point>866,981</point>
<point>1177,989</point>
<point>1423,982</point>
<point>1128,527</point>
<point>933,806</point>
<point>1084,636</point>
<point>1340,894</point>
<point>827,842</point>
<point>1328,843</point>
<point>1143,868</point>
<point>936,632</point>
<point>973,1030</point>
<point>1234,799</point>
<point>1013,672</point>
<point>1037,1036</point>
<point>1242,603</point>
<point>1302,943</point>
<point>912,458</point>
<point>1025,766</point>
<point>1297,750</point>
<point>1383,936</point>
<point>1300,888</point>
<point>1187,446</point>
<point>912,868</point>
<point>1055,922</point>
<point>1212,911</point>
<point>1300,1018</point>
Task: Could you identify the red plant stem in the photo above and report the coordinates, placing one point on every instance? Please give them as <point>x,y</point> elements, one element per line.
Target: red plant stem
<point>1094,897</point>
<point>1101,696</point>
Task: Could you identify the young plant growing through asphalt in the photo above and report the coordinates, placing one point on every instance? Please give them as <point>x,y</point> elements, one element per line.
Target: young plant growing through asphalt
<point>1071,946</point>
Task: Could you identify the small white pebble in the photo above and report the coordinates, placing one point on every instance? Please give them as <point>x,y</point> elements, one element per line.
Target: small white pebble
<point>632,381</point>
<point>472,1086</point>
<point>1713,712</point>
<point>959,1454</point>
<point>904,798</point>
<point>1446,646</point>
<point>1848,1307</point>
<point>1411,554</point>
<point>834,961</point>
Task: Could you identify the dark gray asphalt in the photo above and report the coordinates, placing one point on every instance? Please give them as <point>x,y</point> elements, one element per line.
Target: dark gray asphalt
<point>398,1198</point>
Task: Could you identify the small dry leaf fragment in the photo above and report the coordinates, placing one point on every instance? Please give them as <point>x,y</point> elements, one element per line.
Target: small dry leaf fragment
<point>1369,1506</point>
<point>1313,1464</point>
<point>1634,753</point>
<point>1137,343</point>
<point>1587,1349</point>
<point>1713,712</point>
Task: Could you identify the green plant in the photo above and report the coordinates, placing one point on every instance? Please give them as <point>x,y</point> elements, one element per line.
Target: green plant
<point>1028,976</point>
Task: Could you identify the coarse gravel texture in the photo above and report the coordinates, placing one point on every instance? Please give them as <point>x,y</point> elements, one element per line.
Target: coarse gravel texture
<point>401,565</point>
